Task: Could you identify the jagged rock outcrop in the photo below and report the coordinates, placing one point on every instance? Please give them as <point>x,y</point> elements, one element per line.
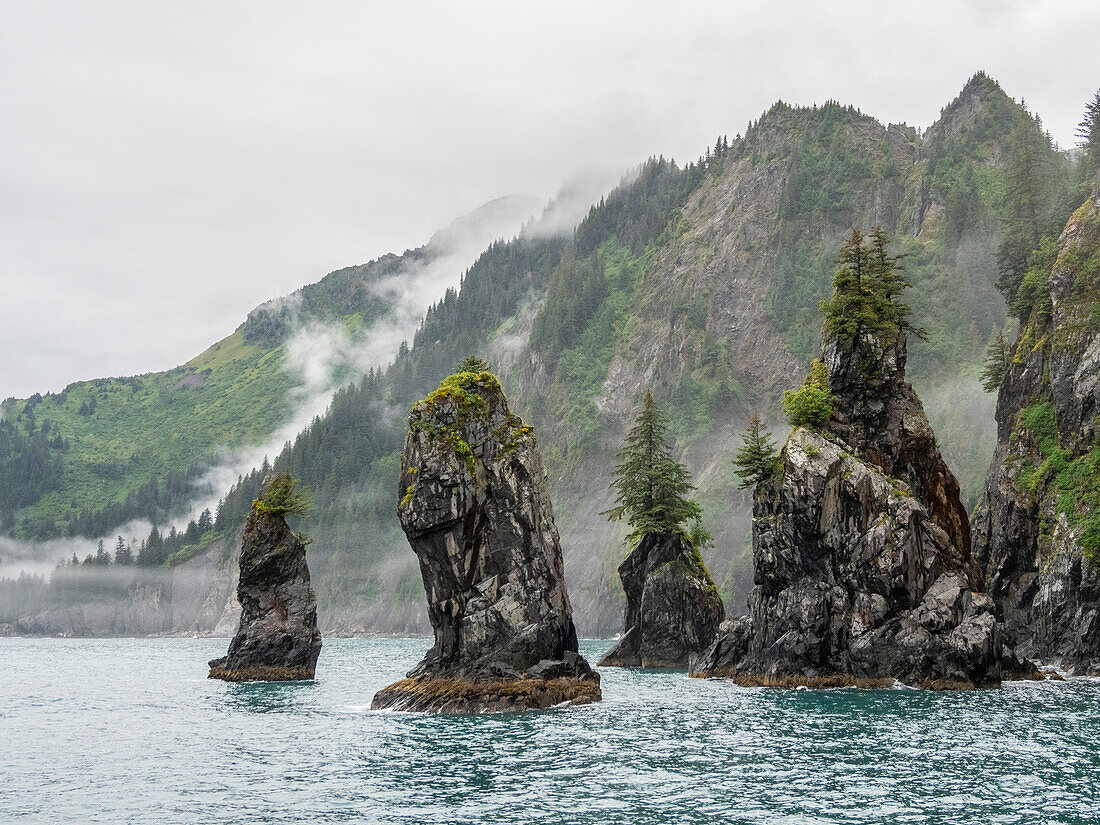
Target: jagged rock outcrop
<point>278,639</point>
<point>878,417</point>
<point>673,608</point>
<point>476,510</point>
<point>862,566</point>
<point>1037,527</point>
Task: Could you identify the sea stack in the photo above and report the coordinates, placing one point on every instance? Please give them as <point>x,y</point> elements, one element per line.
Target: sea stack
<point>278,639</point>
<point>673,608</point>
<point>476,510</point>
<point>861,548</point>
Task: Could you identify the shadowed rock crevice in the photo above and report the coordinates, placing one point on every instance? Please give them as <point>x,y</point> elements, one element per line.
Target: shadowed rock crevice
<point>475,508</point>
<point>673,608</point>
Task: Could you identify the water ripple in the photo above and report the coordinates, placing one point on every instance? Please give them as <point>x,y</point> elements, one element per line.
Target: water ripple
<point>129,731</point>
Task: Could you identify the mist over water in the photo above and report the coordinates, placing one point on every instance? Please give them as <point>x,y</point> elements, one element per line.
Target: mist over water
<point>131,730</point>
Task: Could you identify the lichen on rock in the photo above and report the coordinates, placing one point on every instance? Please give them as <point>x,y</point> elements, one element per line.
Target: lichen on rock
<point>475,507</point>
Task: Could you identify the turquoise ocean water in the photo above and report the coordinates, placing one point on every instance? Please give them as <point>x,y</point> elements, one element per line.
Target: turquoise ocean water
<point>131,731</point>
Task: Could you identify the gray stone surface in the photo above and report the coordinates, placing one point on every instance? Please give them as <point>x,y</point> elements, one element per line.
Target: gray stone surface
<point>855,584</point>
<point>477,513</point>
<point>673,608</point>
<point>861,550</point>
<point>277,639</point>
<point>1046,590</point>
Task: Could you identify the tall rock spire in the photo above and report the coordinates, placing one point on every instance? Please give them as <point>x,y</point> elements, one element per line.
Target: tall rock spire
<point>278,639</point>
<point>477,513</point>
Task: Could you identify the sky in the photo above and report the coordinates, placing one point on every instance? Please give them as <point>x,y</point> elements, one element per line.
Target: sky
<point>165,167</point>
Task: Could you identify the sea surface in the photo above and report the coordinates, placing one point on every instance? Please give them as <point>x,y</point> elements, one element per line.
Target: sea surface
<point>131,731</point>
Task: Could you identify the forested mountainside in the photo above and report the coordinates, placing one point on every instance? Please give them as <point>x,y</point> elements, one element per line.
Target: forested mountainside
<point>103,452</point>
<point>701,282</point>
<point>1037,530</point>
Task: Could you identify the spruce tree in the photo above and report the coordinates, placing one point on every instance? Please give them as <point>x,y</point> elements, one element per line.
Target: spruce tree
<point>1023,211</point>
<point>998,355</point>
<point>866,287</point>
<point>471,363</point>
<point>887,280</point>
<point>123,554</point>
<point>756,459</point>
<point>1089,133</point>
<point>652,487</point>
<point>151,553</point>
<point>850,310</point>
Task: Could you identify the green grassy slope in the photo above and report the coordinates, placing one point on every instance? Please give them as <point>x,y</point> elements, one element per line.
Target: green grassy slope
<point>83,461</point>
<point>120,434</point>
<point>101,452</point>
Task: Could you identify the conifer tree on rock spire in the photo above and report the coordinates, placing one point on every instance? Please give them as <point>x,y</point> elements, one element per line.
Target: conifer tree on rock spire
<point>673,608</point>
<point>861,548</point>
<point>652,486</point>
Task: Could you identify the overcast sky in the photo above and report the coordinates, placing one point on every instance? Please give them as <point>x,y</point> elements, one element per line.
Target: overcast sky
<point>164,167</point>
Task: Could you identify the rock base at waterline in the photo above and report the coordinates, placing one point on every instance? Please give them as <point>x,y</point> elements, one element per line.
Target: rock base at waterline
<point>258,673</point>
<point>438,695</point>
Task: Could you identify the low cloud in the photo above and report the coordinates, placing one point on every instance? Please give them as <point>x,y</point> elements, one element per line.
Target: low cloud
<point>322,357</point>
<point>575,199</point>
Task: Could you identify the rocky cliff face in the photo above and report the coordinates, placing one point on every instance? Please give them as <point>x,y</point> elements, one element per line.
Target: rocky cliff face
<point>862,565</point>
<point>752,256</point>
<point>278,638</point>
<point>476,510</point>
<point>1036,530</point>
<point>879,418</point>
<point>856,583</point>
<point>673,608</point>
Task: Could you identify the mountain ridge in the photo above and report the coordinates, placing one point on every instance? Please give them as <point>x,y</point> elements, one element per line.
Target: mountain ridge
<point>703,283</point>
<point>236,394</point>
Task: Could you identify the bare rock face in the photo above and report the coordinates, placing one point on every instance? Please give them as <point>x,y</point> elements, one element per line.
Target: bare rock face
<point>862,566</point>
<point>673,608</point>
<point>477,513</point>
<point>1036,532</point>
<point>278,639</point>
<point>856,584</point>
<point>878,417</point>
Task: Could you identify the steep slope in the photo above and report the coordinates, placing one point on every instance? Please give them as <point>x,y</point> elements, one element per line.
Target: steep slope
<point>698,282</point>
<point>667,283</point>
<point>1037,530</point>
<point>102,452</point>
<point>715,315</point>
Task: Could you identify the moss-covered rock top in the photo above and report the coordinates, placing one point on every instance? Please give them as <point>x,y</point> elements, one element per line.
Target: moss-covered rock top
<point>471,391</point>
<point>468,414</point>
